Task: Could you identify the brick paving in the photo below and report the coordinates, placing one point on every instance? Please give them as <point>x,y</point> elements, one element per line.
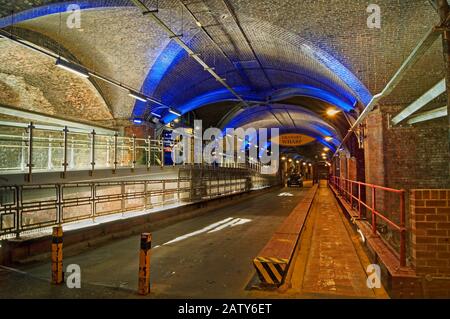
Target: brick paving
<point>329,263</point>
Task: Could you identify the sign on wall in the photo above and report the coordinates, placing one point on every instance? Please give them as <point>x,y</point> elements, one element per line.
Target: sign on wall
<point>295,139</point>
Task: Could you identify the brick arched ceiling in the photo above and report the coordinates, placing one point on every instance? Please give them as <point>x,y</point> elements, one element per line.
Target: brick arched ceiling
<point>30,81</point>
<point>279,51</point>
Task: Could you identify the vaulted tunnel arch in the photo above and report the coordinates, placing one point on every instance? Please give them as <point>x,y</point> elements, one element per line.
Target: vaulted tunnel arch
<point>333,83</point>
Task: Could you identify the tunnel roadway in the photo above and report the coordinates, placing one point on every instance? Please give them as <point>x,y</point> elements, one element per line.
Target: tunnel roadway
<point>205,257</point>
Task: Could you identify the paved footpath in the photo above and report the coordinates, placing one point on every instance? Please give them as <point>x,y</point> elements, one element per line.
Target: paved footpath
<point>330,261</point>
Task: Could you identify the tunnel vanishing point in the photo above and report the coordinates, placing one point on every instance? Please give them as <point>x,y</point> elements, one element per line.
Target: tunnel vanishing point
<point>296,149</point>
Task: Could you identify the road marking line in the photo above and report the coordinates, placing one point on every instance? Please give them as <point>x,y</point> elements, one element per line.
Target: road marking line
<point>198,232</point>
<point>233,223</point>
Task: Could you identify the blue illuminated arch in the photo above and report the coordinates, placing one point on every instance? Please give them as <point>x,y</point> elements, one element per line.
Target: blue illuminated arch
<point>223,95</point>
<point>317,128</point>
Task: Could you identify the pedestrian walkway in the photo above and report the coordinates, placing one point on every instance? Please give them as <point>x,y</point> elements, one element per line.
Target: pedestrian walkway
<point>330,260</point>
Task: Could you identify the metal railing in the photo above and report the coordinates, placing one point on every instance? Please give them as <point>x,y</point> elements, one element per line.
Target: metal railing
<point>362,197</point>
<point>36,149</point>
<point>26,209</point>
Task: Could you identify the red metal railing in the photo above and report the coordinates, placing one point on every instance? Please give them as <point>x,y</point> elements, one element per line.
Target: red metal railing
<point>354,193</point>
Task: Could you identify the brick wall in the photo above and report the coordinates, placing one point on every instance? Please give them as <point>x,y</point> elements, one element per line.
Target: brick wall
<point>406,156</point>
<point>416,156</point>
<point>430,236</point>
<point>373,149</point>
<point>343,165</point>
<point>352,172</point>
<point>430,240</point>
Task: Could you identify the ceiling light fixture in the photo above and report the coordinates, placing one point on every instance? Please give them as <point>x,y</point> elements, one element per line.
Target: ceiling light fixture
<point>137,96</point>
<point>75,69</point>
<point>174,112</point>
<point>332,112</point>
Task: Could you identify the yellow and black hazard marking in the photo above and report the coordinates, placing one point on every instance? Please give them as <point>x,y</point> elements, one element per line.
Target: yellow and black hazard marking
<point>271,270</point>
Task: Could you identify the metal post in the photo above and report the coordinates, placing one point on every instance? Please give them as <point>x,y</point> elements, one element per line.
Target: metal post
<point>94,201</point>
<point>122,197</point>
<point>163,192</point>
<point>22,154</point>
<point>60,203</point>
<point>134,153</point>
<point>359,201</point>
<point>374,218</point>
<point>72,154</point>
<point>144,264</point>
<point>30,151</point>
<point>351,194</point>
<point>402,230</point>
<point>92,152</point>
<point>145,195</point>
<point>49,154</point>
<point>174,152</point>
<point>162,152</point>
<point>116,135</point>
<point>108,151</point>
<point>18,219</point>
<point>218,185</point>
<point>57,255</point>
<point>149,153</point>
<point>65,131</point>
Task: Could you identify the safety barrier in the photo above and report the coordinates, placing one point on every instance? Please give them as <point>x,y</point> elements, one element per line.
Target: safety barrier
<point>273,261</point>
<point>36,149</point>
<point>31,208</point>
<point>362,198</point>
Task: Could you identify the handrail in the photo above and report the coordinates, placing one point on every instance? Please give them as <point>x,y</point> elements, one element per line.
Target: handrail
<point>31,151</point>
<point>346,187</point>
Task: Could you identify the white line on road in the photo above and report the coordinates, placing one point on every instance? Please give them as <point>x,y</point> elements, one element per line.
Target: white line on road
<point>233,223</point>
<point>227,222</point>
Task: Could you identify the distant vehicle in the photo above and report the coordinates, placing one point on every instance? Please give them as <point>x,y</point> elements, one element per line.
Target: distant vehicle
<point>295,180</point>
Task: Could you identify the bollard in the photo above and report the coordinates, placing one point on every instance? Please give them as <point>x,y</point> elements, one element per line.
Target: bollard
<point>57,255</point>
<point>144,264</point>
